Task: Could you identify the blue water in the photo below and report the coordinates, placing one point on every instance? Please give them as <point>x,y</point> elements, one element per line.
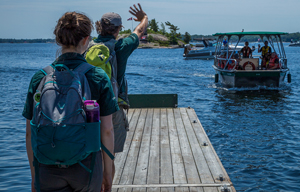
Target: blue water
<point>255,132</point>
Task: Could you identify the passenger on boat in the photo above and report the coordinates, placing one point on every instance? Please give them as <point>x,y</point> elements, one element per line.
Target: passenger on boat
<point>265,61</point>
<point>231,64</point>
<point>246,50</point>
<point>187,48</point>
<point>265,54</point>
<point>221,62</point>
<point>225,43</point>
<point>274,62</point>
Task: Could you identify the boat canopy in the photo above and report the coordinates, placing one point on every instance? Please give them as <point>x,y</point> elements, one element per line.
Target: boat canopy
<point>250,33</point>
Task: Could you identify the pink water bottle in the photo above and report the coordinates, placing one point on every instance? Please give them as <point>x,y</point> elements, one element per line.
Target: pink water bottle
<point>92,111</point>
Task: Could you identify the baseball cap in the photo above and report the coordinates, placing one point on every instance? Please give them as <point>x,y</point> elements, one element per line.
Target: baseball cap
<point>114,18</point>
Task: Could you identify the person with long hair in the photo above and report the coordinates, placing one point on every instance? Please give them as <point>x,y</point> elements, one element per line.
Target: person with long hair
<point>72,34</point>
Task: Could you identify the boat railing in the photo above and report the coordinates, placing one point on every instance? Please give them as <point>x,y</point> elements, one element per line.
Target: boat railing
<point>283,63</point>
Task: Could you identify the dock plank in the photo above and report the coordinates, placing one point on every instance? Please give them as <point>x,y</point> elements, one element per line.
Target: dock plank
<point>153,169</point>
<point>121,157</point>
<point>130,165</point>
<point>188,159</point>
<point>141,171</point>
<point>202,167</point>
<point>165,153</point>
<point>209,153</point>
<point>177,160</point>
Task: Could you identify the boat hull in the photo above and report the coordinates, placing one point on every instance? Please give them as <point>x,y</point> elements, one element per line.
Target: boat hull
<point>242,78</point>
<point>200,54</point>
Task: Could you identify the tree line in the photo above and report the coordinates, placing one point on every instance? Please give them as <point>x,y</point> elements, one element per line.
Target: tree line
<point>27,41</point>
<point>173,35</point>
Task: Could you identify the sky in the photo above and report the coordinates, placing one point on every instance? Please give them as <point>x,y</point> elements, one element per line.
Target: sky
<point>29,19</point>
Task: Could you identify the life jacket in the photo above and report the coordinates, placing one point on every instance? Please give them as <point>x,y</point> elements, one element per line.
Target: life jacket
<point>246,51</point>
<point>221,63</point>
<point>264,50</point>
<point>230,66</point>
<point>273,62</point>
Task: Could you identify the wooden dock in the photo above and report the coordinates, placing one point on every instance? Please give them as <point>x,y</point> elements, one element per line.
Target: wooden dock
<point>167,149</point>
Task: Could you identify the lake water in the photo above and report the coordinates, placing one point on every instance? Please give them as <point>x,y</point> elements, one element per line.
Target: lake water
<point>256,133</point>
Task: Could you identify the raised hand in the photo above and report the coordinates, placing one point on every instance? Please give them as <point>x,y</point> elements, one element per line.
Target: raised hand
<point>138,13</point>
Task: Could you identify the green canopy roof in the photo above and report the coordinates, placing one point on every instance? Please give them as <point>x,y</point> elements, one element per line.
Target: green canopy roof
<point>251,33</point>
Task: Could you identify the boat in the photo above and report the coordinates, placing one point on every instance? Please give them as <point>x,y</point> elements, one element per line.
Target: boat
<point>295,44</point>
<point>205,52</point>
<point>233,71</point>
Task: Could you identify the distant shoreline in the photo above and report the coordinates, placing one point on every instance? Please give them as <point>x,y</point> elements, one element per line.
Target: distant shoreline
<point>27,41</point>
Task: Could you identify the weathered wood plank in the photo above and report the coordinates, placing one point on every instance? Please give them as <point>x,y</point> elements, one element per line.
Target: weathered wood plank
<point>174,185</point>
<point>130,114</point>
<point>153,168</point>
<point>211,157</point>
<point>130,165</point>
<point>202,167</point>
<point>141,171</point>
<point>188,159</point>
<point>177,160</point>
<point>165,153</point>
<point>121,157</point>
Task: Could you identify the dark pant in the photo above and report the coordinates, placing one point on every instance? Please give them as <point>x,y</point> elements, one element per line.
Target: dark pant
<point>121,126</point>
<point>74,178</point>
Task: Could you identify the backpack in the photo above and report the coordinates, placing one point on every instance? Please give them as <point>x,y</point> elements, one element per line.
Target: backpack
<point>103,55</point>
<point>60,134</point>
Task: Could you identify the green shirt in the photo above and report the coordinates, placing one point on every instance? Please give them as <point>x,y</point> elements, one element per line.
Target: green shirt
<point>100,85</point>
<point>124,48</point>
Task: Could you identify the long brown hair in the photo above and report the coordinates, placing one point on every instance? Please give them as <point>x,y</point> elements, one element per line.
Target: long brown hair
<point>71,28</point>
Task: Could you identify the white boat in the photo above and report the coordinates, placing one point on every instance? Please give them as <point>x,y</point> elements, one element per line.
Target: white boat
<point>205,52</point>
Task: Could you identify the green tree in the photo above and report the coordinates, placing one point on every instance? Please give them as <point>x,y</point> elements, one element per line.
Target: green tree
<point>153,25</point>
<point>163,29</point>
<point>128,31</point>
<point>173,35</point>
<point>187,37</point>
<point>150,38</point>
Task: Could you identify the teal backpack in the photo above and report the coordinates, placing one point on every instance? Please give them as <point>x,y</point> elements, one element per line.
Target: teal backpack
<point>60,134</point>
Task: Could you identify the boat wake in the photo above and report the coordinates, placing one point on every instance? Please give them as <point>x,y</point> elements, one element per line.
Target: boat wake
<point>284,87</point>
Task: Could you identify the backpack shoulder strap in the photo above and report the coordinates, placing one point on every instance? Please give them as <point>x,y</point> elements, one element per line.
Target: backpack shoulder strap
<point>84,67</point>
<point>111,45</point>
<point>48,69</point>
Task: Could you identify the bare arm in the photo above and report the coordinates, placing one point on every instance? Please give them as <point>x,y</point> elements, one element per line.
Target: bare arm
<point>258,48</point>
<point>107,138</point>
<point>142,17</point>
<point>30,152</point>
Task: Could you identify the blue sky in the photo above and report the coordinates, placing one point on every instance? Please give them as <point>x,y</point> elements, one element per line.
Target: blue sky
<point>37,18</point>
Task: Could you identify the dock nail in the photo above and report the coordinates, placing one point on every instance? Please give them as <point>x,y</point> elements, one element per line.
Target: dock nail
<point>194,121</point>
<point>224,188</point>
<point>204,144</point>
<point>221,177</point>
<point>189,107</point>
